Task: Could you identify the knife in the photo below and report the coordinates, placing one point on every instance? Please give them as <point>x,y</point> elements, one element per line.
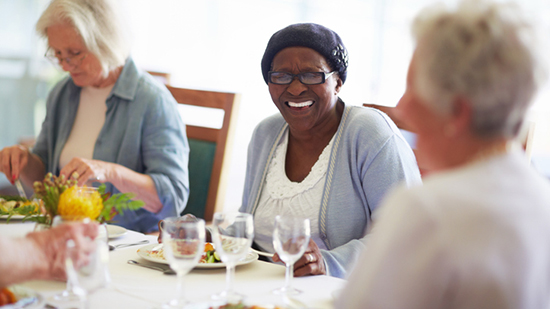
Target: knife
<point>19,187</point>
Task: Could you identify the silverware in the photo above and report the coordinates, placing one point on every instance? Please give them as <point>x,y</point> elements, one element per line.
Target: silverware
<point>111,247</point>
<point>161,269</point>
<point>19,187</point>
<point>266,254</point>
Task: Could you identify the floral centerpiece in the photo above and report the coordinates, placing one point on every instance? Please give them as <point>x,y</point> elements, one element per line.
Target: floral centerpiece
<point>63,197</point>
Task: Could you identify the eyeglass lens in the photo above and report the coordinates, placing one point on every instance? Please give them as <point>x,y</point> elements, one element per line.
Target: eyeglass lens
<point>309,78</point>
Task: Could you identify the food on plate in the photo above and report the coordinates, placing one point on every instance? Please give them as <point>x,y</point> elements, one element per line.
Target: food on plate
<point>7,297</point>
<point>16,205</point>
<point>210,255</point>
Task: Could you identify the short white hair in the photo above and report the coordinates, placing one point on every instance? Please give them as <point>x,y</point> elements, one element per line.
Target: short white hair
<point>481,51</point>
<point>99,24</point>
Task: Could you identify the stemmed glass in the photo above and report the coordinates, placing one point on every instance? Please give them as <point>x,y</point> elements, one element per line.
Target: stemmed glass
<point>290,239</point>
<point>183,240</point>
<point>84,280</point>
<point>232,234</point>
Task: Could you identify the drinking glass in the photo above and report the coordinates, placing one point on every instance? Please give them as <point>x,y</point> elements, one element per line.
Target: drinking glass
<point>89,278</point>
<point>232,234</point>
<point>290,240</point>
<point>183,240</point>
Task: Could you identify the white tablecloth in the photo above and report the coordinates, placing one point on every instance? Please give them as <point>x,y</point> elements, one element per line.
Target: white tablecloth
<point>137,287</point>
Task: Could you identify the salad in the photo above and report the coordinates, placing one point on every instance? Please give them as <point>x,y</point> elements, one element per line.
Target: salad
<point>16,205</point>
<point>209,256</point>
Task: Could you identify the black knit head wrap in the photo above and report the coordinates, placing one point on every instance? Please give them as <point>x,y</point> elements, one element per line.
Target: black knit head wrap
<point>319,38</point>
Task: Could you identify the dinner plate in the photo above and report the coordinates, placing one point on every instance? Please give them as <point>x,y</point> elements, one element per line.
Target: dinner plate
<point>143,253</point>
<point>14,217</point>
<point>26,298</point>
<point>115,231</point>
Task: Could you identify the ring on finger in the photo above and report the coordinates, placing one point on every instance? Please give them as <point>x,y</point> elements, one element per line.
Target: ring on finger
<point>310,258</point>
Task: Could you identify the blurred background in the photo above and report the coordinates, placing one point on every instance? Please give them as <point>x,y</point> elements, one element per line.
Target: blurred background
<point>218,45</point>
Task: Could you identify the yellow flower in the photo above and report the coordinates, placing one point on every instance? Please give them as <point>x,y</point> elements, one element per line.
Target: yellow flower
<point>80,202</point>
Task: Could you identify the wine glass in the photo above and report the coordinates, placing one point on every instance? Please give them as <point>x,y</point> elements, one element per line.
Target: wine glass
<point>232,234</point>
<point>183,240</point>
<point>290,240</point>
<point>90,277</point>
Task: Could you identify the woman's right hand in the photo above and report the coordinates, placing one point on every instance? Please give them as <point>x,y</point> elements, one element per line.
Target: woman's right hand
<point>13,160</point>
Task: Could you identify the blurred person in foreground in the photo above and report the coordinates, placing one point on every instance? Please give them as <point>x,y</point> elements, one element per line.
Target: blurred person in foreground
<point>476,234</point>
<point>319,158</point>
<point>41,255</point>
<point>107,121</point>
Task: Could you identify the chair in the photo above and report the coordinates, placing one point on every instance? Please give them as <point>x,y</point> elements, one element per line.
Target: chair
<point>209,149</point>
<point>161,76</point>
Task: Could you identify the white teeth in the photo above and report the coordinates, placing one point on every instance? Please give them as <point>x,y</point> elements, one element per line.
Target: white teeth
<point>303,104</point>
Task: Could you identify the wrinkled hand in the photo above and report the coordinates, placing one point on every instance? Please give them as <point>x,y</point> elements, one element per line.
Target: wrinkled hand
<point>52,244</point>
<point>311,263</point>
<point>13,160</point>
<point>87,170</point>
<point>186,217</point>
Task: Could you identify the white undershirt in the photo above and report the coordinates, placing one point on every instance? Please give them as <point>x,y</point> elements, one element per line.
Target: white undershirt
<point>281,196</point>
<point>89,120</point>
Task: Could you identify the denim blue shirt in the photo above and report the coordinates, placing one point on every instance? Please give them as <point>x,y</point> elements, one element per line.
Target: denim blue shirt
<point>143,131</point>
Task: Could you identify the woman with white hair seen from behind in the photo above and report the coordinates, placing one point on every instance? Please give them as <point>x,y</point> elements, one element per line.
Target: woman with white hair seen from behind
<point>476,234</point>
<point>107,122</point>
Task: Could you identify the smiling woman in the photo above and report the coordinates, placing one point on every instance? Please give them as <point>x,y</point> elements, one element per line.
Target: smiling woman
<point>319,158</point>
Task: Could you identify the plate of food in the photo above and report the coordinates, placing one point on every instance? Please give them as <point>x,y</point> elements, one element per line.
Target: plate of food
<point>210,259</point>
<point>115,231</point>
<point>16,297</point>
<point>16,207</point>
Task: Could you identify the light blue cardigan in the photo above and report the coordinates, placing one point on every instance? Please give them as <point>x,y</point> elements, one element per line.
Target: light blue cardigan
<point>369,156</point>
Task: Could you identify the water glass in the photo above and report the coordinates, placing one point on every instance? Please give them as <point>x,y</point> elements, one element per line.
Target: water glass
<point>232,234</point>
<point>183,240</point>
<point>89,278</point>
<point>290,239</point>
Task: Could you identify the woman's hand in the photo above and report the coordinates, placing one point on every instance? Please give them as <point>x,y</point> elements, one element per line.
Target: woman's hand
<point>13,160</point>
<point>87,170</point>
<point>311,263</point>
<point>51,248</point>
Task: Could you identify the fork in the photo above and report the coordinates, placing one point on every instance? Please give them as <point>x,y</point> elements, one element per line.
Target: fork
<point>111,247</point>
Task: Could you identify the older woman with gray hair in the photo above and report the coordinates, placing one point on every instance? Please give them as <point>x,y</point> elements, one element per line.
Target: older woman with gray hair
<point>475,235</point>
<point>107,121</point>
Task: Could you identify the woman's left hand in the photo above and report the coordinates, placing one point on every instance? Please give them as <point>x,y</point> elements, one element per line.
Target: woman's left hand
<point>87,170</point>
<point>311,263</point>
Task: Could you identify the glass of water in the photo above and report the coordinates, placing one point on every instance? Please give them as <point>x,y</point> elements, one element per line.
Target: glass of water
<point>290,239</point>
<point>183,240</point>
<point>232,234</point>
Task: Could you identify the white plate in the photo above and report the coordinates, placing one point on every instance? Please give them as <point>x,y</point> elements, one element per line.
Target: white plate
<point>115,231</point>
<point>14,217</point>
<point>144,254</point>
<point>25,298</point>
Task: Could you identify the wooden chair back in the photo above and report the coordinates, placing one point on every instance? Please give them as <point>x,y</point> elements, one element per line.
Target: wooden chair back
<point>210,150</point>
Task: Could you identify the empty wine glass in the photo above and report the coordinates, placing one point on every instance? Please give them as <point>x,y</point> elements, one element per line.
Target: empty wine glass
<point>84,280</point>
<point>232,234</point>
<point>290,240</point>
<point>183,240</point>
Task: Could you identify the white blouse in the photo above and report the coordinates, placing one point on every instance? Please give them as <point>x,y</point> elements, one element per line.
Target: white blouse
<point>89,120</point>
<point>281,196</point>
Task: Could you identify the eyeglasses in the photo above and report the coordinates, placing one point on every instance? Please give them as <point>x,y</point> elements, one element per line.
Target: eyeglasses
<point>74,59</point>
<point>308,78</point>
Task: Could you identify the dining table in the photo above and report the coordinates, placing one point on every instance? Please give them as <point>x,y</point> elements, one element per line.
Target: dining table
<point>132,286</point>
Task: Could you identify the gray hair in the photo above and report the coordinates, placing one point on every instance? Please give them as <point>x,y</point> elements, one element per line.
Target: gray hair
<point>483,52</point>
<point>97,22</point>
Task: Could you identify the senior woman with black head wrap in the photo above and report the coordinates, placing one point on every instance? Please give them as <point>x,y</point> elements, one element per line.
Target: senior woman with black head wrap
<point>319,158</point>
<point>476,234</point>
